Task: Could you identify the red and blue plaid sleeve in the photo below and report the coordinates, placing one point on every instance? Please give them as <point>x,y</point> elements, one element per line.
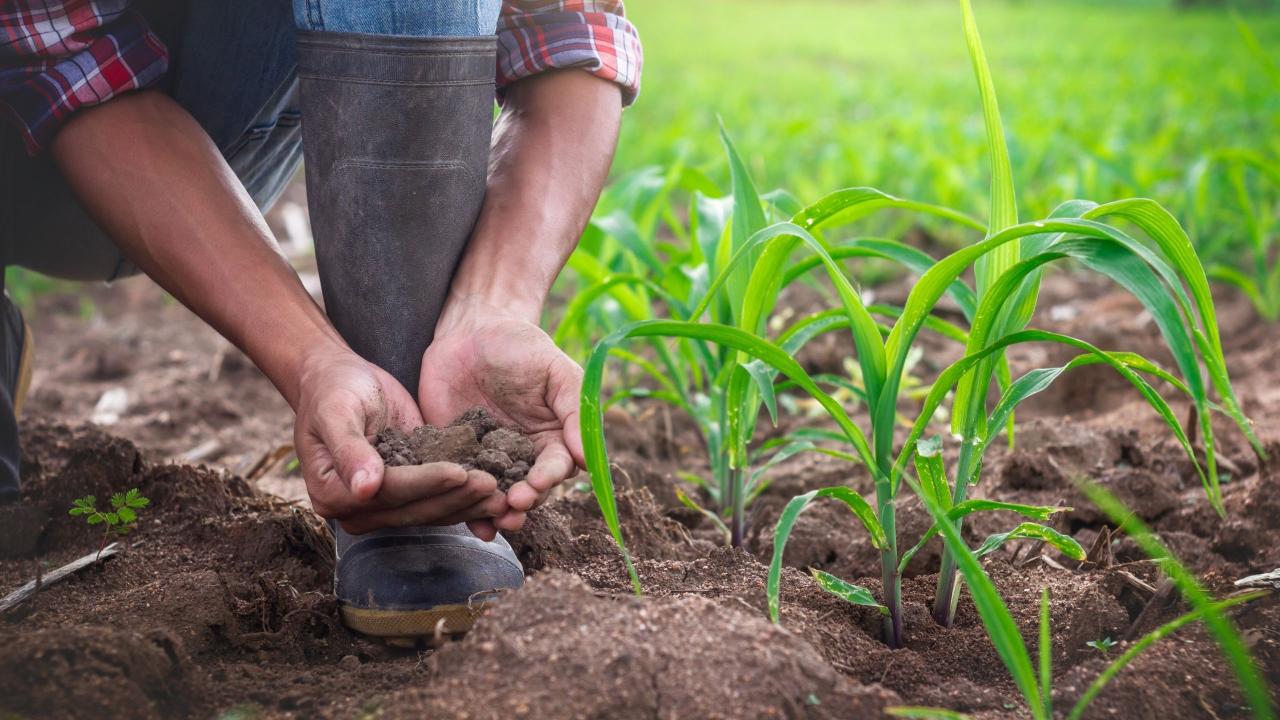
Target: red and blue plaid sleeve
<point>593,35</point>
<point>57,56</point>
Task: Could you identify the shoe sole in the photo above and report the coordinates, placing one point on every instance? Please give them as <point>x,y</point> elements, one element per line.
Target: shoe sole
<point>432,627</point>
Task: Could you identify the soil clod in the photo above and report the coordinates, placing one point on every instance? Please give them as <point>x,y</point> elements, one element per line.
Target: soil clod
<point>475,439</point>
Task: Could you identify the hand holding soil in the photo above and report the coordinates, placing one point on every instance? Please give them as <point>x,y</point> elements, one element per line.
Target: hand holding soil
<point>486,356</point>
<point>341,397</point>
<point>475,440</point>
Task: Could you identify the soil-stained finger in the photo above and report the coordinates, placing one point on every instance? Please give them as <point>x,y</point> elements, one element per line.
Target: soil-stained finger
<point>431,511</point>
<point>405,484</point>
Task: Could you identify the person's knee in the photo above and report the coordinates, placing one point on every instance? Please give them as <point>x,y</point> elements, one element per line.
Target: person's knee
<point>414,18</point>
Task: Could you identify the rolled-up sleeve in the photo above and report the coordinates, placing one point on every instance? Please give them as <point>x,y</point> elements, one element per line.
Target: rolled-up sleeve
<point>591,35</point>
<point>59,57</point>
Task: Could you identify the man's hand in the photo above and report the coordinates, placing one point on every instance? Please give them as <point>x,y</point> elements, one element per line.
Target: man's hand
<point>491,357</point>
<point>343,402</point>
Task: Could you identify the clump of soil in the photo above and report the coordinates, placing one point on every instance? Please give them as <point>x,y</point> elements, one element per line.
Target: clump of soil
<point>475,439</point>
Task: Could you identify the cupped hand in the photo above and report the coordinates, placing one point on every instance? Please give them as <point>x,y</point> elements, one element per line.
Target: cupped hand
<point>484,355</point>
<point>343,402</point>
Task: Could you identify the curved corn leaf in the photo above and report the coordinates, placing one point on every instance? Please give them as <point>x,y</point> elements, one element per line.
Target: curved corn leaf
<point>967,507</point>
<point>1158,224</point>
<point>688,502</point>
<point>787,520</point>
<point>1229,640</point>
<point>913,259</point>
<point>847,591</point>
<point>1032,531</point>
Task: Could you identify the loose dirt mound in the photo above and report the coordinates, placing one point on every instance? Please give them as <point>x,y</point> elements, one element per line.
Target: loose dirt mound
<point>556,650</point>
<point>474,440</point>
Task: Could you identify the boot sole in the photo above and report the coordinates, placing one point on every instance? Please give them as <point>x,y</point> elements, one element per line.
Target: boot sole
<point>432,627</point>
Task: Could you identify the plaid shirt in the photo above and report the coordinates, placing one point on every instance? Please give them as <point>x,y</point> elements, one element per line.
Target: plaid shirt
<point>57,56</point>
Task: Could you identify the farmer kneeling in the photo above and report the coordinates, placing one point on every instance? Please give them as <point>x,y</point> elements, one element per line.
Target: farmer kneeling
<point>157,131</point>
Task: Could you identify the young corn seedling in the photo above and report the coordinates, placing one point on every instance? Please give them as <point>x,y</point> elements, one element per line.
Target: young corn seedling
<point>119,521</point>
<point>1159,267</point>
<point>625,280</point>
<point>1034,680</point>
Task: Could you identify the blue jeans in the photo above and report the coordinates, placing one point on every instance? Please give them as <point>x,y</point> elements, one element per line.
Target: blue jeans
<point>234,68</point>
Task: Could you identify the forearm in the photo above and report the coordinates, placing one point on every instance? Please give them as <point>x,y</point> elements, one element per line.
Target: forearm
<point>155,182</point>
<point>553,144</point>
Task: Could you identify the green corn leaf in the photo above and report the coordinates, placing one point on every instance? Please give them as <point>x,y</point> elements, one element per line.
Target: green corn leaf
<point>748,219</point>
<point>1145,642</point>
<point>619,226</point>
<point>960,510</point>
<point>1004,206</point>
<point>779,241</point>
<point>688,502</point>
<point>845,206</point>
<point>909,257</point>
<point>1229,640</point>
<point>932,472</point>
<point>1045,649</point>
<point>1000,625</point>
<point>1033,531</point>
<point>1163,229</point>
<point>762,375</point>
<point>787,520</point>
<point>847,591</point>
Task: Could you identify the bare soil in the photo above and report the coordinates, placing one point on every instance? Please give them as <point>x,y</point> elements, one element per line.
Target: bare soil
<point>474,439</point>
<point>221,606</point>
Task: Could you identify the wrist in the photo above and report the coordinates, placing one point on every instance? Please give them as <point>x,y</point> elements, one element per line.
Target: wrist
<point>304,361</point>
<point>471,306</point>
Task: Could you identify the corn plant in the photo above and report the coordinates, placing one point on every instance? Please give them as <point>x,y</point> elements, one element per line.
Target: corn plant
<point>1159,267</point>
<point>1034,680</point>
<point>627,273</point>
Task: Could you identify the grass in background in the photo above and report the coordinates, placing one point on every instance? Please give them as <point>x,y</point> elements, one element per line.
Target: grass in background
<point>1099,99</point>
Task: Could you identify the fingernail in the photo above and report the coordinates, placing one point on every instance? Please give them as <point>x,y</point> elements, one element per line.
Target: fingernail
<point>360,481</point>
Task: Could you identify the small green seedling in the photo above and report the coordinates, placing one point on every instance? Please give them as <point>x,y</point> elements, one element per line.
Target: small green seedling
<point>119,521</point>
<point>1103,645</point>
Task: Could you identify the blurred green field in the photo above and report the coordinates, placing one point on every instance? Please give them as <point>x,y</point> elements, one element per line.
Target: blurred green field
<point>1100,100</point>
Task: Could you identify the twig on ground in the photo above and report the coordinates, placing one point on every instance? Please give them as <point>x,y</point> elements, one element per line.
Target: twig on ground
<point>26,592</point>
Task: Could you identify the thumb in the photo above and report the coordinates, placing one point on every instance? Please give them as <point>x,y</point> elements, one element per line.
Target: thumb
<point>357,462</point>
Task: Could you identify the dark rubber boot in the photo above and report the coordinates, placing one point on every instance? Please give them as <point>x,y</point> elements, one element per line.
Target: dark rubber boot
<point>15,376</point>
<point>396,135</point>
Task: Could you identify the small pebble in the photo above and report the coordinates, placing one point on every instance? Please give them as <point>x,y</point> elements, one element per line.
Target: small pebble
<point>349,662</point>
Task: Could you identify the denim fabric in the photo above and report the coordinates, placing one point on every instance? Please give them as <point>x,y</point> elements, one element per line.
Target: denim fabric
<point>415,18</point>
